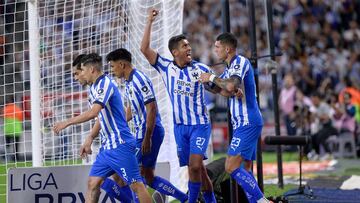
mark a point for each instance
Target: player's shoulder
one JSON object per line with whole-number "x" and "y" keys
{"x": 163, "y": 60}
{"x": 140, "y": 76}
{"x": 202, "y": 66}
{"x": 239, "y": 60}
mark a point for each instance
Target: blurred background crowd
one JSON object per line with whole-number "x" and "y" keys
{"x": 318, "y": 72}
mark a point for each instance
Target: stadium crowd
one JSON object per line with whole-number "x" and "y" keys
{"x": 319, "y": 41}
{"x": 319, "y": 70}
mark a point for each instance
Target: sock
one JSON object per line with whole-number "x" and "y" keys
{"x": 249, "y": 197}
{"x": 165, "y": 187}
{"x": 113, "y": 190}
{"x": 247, "y": 182}
{"x": 194, "y": 189}
{"x": 209, "y": 197}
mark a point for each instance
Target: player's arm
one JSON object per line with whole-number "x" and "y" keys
{"x": 228, "y": 87}
{"x": 151, "y": 110}
{"x": 85, "y": 148}
{"x": 128, "y": 114}
{"x": 149, "y": 53}
{"x": 88, "y": 115}
{"x": 216, "y": 90}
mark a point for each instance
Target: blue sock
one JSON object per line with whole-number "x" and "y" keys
{"x": 113, "y": 190}
{"x": 209, "y": 197}
{"x": 247, "y": 182}
{"x": 165, "y": 187}
{"x": 194, "y": 190}
{"x": 249, "y": 197}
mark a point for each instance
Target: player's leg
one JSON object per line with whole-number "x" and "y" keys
{"x": 93, "y": 189}
{"x": 148, "y": 163}
{"x": 244, "y": 142}
{"x": 199, "y": 140}
{"x": 117, "y": 189}
{"x": 98, "y": 172}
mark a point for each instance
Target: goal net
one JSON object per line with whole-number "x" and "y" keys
{"x": 67, "y": 29}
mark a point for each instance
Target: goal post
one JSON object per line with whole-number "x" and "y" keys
{"x": 54, "y": 32}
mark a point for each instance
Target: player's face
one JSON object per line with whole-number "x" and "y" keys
{"x": 183, "y": 52}
{"x": 220, "y": 51}
{"x": 86, "y": 73}
{"x": 117, "y": 68}
{"x": 76, "y": 73}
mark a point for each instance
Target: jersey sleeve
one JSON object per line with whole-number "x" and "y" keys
{"x": 241, "y": 67}
{"x": 161, "y": 63}
{"x": 104, "y": 92}
{"x": 224, "y": 75}
{"x": 144, "y": 87}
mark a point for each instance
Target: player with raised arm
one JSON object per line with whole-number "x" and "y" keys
{"x": 246, "y": 118}
{"x": 117, "y": 154}
{"x": 192, "y": 127}
{"x": 143, "y": 111}
{"x": 119, "y": 189}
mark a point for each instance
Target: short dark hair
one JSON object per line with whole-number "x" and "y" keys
{"x": 119, "y": 54}
{"x": 77, "y": 61}
{"x": 92, "y": 58}
{"x": 227, "y": 38}
{"x": 174, "y": 41}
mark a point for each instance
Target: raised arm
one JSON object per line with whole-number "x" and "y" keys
{"x": 149, "y": 53}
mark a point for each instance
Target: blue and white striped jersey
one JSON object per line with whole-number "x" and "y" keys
{"x": 139, "y": 90}
{"x": 185, "y": 91}
{"x": 245, "y": 110}
{"x": 114, "y": 128}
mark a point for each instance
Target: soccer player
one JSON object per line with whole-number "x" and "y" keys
{"x": 118, "y": 190}
{"x": 246, "y": 118}
{"x": 192, "y": 127}
{"x": 143, "y": 111}
{"x": 117, "y": 154}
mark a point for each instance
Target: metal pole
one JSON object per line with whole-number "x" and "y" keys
{"x": 270, "y": 35}
{"x": 225, "y": 16}
{"x": 34, "y": 82}
{"x": 253, "y": 60}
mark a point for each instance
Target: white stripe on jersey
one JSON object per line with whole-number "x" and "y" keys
{"x": 244, "y": 108}
{"x": 185, "y": 91}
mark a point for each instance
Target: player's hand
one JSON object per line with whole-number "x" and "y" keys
{"x": 85, "y": 148}
{"x": 238, "y": 93}
{"x": 60, "y": 126}
{"x": 152, "y": 15}
{"x": 146, "y": 146}
{"x": 204, "y": 77}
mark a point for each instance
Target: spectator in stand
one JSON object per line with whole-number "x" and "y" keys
{"x": 287, "y": 103}
{"x": 322, "y": 114}
{"x": 13, "y": 128}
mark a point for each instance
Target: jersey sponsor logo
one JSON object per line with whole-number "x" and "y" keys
{"x": 183, "y": 83}
{"x": 184, "y": 92}
{"x": 145, "y": 89}
{"x": 100, "y": 91}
